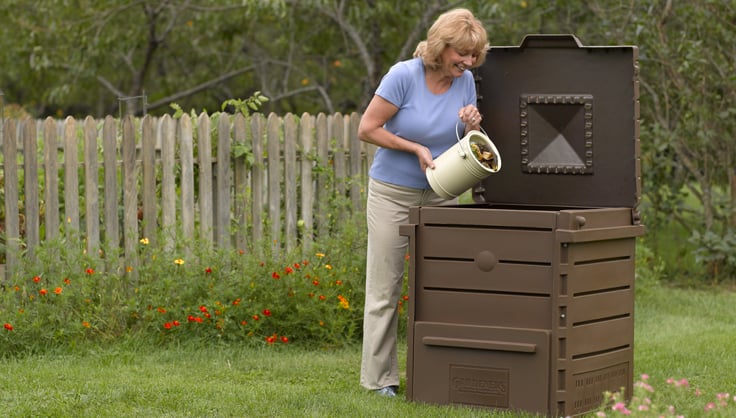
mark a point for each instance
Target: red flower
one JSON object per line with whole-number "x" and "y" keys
{"x": 90, "y": 271}
{"x": 256, "y": 317}
{"x": 289, "y": 270}
{"x": 67, "y": 281}
{"x": 161, "y": 310}
{"x": 267, "y": 312}
{"x": 322, "y": 297}
{"x": 297, "y": 266}
{"x": 284, "y": 339}
{"x": 8, "y": 326}
{"x": 176, "y": 323}
{"x": 236, "y": 302}
{"x": 167, "y": 325}
{"x": 190, "y": 318}
{"x": 58, "y": 290}
{"x": 197, "y": 319}
{"x": 315, "y": 282}
{"x": 271, "y": 339}
{"x": 243, "y": 322}
{"x": 36, "y": 279}
{"x": 208, "y": 270}
{"x": 406, "y": 297}
{"x": 338, "y": 282}
{"x": 203, "y": 308}
{"x": 43, "y": 292}
{"x": 275, "y": 276}
{"x": 207, "y": 315}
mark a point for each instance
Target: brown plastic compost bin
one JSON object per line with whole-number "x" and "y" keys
{"x": 525, "y": 299}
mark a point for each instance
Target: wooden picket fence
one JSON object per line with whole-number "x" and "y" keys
{"x": 233, "y": 180}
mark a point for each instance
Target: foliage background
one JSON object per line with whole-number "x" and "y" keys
{"x": 80, "y": 57}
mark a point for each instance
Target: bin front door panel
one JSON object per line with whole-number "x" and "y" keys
{"x": 496, "y": 367}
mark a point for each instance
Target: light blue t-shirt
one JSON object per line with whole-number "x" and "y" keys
{"x": 423, "y": 117}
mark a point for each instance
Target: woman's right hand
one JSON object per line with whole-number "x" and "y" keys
{"x": 424, "y": 156}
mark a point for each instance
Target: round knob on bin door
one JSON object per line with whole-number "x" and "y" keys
{"x": 485, "y": 260}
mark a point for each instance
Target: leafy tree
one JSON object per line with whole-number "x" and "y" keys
{"x": 79, "y": 57}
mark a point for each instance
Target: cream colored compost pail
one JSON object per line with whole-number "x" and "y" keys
{"x": 457, "y": 169}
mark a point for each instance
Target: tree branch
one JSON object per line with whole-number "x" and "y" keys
{"x": 185, "y": 93}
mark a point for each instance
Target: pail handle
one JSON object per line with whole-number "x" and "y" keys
{"x": 457, "y": 135}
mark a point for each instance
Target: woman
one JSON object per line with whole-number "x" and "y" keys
{"x": 412, "y": 118}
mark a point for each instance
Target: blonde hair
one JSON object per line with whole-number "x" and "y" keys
{"x": 459, "y": 29}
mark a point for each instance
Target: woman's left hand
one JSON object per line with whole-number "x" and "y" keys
{"x": 470, "y": 116}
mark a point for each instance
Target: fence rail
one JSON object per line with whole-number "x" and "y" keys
{"x": 233, "y": 180}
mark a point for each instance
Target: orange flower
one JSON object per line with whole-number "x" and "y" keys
{"x": 343, "y": 302}
{"x": 8, "y": 326}
{"x": 85, "y": 324}
{"x": 57, "y": 290}
{"x": 43, "y": 292}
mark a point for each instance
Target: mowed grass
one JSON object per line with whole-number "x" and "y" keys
{"x": 685, "y": 333}
{"x": 680, "y": 334}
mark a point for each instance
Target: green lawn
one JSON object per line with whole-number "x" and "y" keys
{"x": 679, "y": 334}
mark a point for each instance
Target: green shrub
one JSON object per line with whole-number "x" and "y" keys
{"x": 188, "y": 291}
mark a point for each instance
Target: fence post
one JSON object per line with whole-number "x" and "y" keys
{"x": 12, "y": 214}
{"x": 204, "y": 159}
{"x": 91, "y": 190}
{"x": 148, "y": 189}
{"x": 71, "y": 178}
{"x": 240, "y": 180}
{"x": 290, "y": 179}
{"x": 306, "y": 137}
{"x": 222, "y": 194}
{"x": 51, "y": 173}
{"x": 187, "y": 176}
{"x": 130, "y": 196}
{"x": 168, "y": 180}
{"x": 111, "y": 194}
{"x": 274, "y": 179}
{"x": 258, "y": 177}
{"x": 30, "y": 176}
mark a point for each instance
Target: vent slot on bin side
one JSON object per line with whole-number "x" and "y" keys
{"x": 556, "y": 133}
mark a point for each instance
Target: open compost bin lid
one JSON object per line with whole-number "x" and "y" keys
{"x": 565, "y": 119}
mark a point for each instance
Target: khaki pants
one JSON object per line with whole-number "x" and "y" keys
{"x": 387, "y": 208}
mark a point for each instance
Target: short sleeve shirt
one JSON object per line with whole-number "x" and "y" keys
{"x": 423, "y": 117}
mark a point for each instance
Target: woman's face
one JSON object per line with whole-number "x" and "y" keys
{"x": 455, "y": 62}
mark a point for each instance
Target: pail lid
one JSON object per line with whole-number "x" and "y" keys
{"x": 565, "y": 117}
